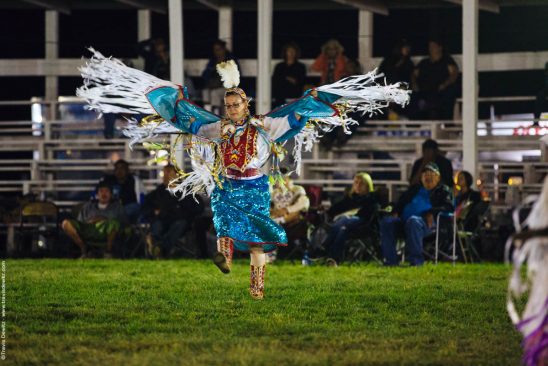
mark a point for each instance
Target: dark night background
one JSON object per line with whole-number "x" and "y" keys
{"x": 514, "y": 29}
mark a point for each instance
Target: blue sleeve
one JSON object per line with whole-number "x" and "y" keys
{"x": 296, "y": 123}
{"x": 296, "y": 126}
{"x": 179, "y": 112}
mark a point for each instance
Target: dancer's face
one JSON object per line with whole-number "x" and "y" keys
{"x": 236, "y": 107}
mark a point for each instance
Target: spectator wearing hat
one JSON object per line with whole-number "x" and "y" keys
{"x": 98, "y": 221}
{"x": 432, "y": 154}
{"x": 414, "y": 214}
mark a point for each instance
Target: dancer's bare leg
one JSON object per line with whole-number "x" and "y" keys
{"x": 258, "y": 268}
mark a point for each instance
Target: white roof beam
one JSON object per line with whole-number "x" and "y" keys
{"x": 212, "y": 4}
{"x": 374, "y": 6}
{"x": 487, "y": 5}
{"x": 61, "y": 6}
{"x": 156, "y": 6}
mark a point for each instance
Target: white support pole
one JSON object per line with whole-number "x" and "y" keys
{"x": 52, "y": 54}
{"x": 365, "y": 39}
{"x": 264, "y": 56}
{"x": 176, "y": 54}
{"x": 470, "y": 13}
{"x": 225, "y": 25}
{"x": 143, "y": 24}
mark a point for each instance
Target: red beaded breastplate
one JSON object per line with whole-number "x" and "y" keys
{"x": 239, "y": 151}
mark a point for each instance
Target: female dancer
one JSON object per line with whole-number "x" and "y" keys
{"x": 228, "y": 153}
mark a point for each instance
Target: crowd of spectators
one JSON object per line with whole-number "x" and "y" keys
{"x": 120, "y": 205}
{"x": 364, "y": 210}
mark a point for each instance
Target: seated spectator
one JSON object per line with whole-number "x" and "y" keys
{"x": 465, "y": 200}
{"x": 331, "y": 62}
{"x": 125, "y": 187}
{"x": 288, "y": 207}
{"x": 434, "y": 82}
{"x": 169, "y": 217}
{"x": 359, "y": 207}
{"x": 415, "y": 212}
{"x": 98, "y": 221}
{"x": 289, "y": 201}
{"x": 213, "y": 92}
{"x": 289, "y": 76}
{"x": 432, "y": 154}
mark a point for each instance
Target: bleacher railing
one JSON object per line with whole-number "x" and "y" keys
{"x": 401, "y": 138}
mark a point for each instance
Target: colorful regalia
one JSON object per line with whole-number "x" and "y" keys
{"x": 228, "y": 156}
{"x": 531, "y": 249}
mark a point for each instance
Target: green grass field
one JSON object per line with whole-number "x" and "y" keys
{"x": 184, "y": 312}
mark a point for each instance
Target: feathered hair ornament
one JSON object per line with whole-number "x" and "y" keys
{"x": 231, "y": 78}
{"x": 229, "y": 74}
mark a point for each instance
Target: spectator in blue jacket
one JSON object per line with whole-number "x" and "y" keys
{"x": 414, "y": 213}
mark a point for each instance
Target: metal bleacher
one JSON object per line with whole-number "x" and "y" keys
{"x": 69, "y": 156}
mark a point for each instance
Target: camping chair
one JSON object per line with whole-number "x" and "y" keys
{"x": 40, "y": 219}
{"x": 364, "y": 243}
{"x": 432, "y": 249}
{"x": 468, "y": 230}
{"x": 453, "y": 219}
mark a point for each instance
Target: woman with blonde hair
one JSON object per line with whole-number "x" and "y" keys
{"x": 331, "y": 62}
{"x": 358, "y": 208}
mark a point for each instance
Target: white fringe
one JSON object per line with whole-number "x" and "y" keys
{"x": 112, "y": 87}
{"x": 363, "y": 94}
{"x": 202, "y": 156}
{"x": 534, "y": 255}
{"x": 306, "y": 139}
{"x": 358, "y": 93}
{"x": 140, "y": 134}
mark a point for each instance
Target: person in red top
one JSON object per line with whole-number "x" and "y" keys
{"x": 331, "y": 62}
